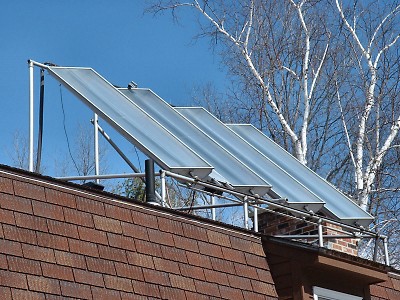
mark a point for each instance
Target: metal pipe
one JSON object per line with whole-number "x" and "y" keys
{"x": 385, "y": 246}
{"x": 30, "y": 62}
{"x": 208, "y": 206}
{"x": 320, "y": 234}
{"x": 270, "y": 203}
{"x": 163, "y": 188}
{"x": 255, "y": 219}
{"x": 213, "y": 212}
{"x": 103, "y": 176}
{"x": 375, "y": 257}
{"x": 96, "y": 147}
{"x": 35, "y": 63}
{"x": 116, "y": 148}
{"x": 327, "y": 236}
{"x": 150, "y": 181}
{"x": 41, "y": 116}
{"x": 246, "y": 213}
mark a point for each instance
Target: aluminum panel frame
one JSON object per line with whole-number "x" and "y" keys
{"x": 337, "y": 203}
{"x": 131, "y": 122}
{"x": 283, "y": 185}
{"x": 225, "y": 164}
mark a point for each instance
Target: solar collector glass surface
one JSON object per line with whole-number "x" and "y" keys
{"x": 283, "y": 184}
{"x": 225, "y": 164}
{"x": 131, "y": 121}
{"x": 336, "y": 202}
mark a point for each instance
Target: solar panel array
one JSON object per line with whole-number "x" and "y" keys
{"x": 192, "y": 142}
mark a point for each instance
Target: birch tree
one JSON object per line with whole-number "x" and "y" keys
{"x": 322, "y": 78}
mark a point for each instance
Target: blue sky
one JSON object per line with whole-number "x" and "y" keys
{"x": 113, "y": 37}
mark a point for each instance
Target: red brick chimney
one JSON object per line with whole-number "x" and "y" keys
{"x": 275, "y": 224}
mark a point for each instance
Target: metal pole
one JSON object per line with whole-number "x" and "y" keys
{"x": 96, "y": 147}
{"x": 150, "y": 182}
{"x": 385, "y": 245}
{"x": 30, "y": 115}
{"x": 375, "y": 258}
{"x": 116, "y": 148}
{"x": 163, "y": 186}
{"x": 320, "y": 235}
{"x": 213, "y": 209}
{"x": 255, "y": 219}
{"x": 246, "y": 213}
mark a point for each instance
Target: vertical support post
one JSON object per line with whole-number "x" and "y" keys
{"x": 96, "y": 147}
{"x": 385, "y": 245}
{"x": 255, "y": 219}
{"x": 213, "y": 209}
{"x": 163, "y": 190}
{"x": 320, "y": 235}
{"x": 150, "y": 182}
{"x": 376, "y": 248}
{"x": 30, "y": 115}
{"x": 246, "y": 213}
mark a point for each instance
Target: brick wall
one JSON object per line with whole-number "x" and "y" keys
{"x": 274, "y": 224}
{"x": 58, "y": 240}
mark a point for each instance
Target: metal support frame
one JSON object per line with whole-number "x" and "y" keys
{"x": 213, "y": 212}
{"x": 255, "y": 219}
{"x": 245, "y": 200}
{"x": 31, "y": 108}
{"x": 385, "y": 247}
{"x": 96, "y": 147}
{"x": 320, "y": 234}
{"x": 246, "y": 212}
{"x": 163, "y": 188}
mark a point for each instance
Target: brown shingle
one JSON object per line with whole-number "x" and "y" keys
{"x": 30, "y": 222}
{"x": 38, "y": 253}
{"x": 6, "y": 185}
{"x": 52, "y": 241}
{"x": 7, "y": 216}
{"x": 62, "y": 228}
{"x": 129, "y": 271}
{"x": 72, "y": 289}
{"x": 22, "y": 294}
{"x": 29, "y": 190}
{"x": 78, "y": 217}
{"x": 57, "y": 271}
{"x": 118, "y": 213}
{"x": 90, "y": 205}
{"x": 122, "y": 242}
{"x": 16, "y": 203}
{"x": 100, "y": 265}
{"x": 92, "y": 235}
{"x": 82, "y": 247}
{"x": 182, "y": 282}
{"x": 23, "y": 265}
{"x": 70, "y": 259}
{"x": 144, "y": 219}
{"x": 13, "y": 279}
{"x": 112, "y": 253}
{"x": 45, "y": 285}
{"x": 87, "y": 277}
{"x": 60, "y": 198}
{"x": 19, "y": 234}
{"x": 47, "y": 210}
{"x": 195, "y": 232}
{"x": 117, "y": 283}
{"x": 106, "y": 224}
{"x": 156, "y": 277}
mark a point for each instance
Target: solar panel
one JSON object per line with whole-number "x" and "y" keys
{"x": 337, "y": 203}
{"x": 283, "y": 185}
{"x": 227, "y": 167}
{"x": 131, "y": 121}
